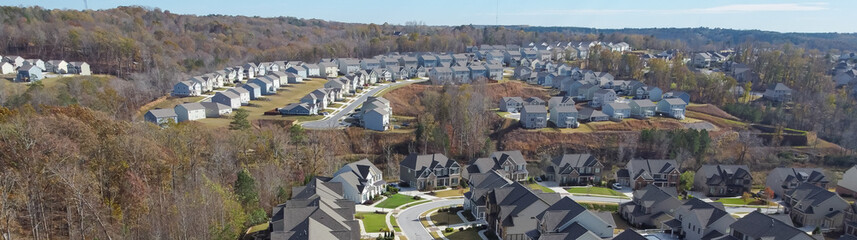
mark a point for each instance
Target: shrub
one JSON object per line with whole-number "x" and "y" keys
{"x": 449, "y": 229}
{"x": 417, "y": 198}
{"x": 461, "y": 229}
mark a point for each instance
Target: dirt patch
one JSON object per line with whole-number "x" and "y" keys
{"x": 717, "y": 121}
{"x": 406, "y": 101}
{"x": 636, "y": 125}
{"x": 533, "y": 142}
{"x": 712, "y": 110}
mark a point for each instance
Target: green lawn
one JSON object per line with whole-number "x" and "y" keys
{"x": 470, "y": 233}
{"x": 596, "y": 191}
{"x": 395, "y": 223}
{"x": 373, "y": 222}
{"x": 445, "y": 218}
{"x": 451, "y": 192}
{"x": 415, "y": 203}
{"x": 738, "y": 201}
{"x": 257, "y": 228}
{"x": 539, "y": 187}
{"x": 395, "y": 201}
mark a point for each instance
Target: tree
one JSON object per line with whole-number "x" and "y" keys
{"x": 686, "y": 180}
{"x": 747, "y": 197}
{"x": 245, "y": 188}
{"x": 239, "y": 120}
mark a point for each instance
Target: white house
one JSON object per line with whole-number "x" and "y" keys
{"x": 242, "y": 93}
{"x": 617, "y": 110}
{"x": 190, "y": 112}
{"x": 213, "y": 109}
{"x": 186, "y": 88}
{"x": 602, "y": 97}
{"x": 672, "y": 107}
{"x": 161, "y": 116}
{"x": 79, "y": 68}
{"x": 313, "y": 70}
{"x": 300, "y": 71}
{"x": 361, "y": 181}
{"x": 254, "y": 89}
{"x": 227, "y": 98}
{"x": 56, "y": 66}
{"x": 6, "y": 68}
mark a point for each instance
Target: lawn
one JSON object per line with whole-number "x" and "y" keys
{"x": 395, "y": 223}
{"x": 257, "y": 228}
{"x": 395, "y": 201}
{"x": 373, "y": 222}
{"x": 445, "y": 218}
{"x": 415, "y": 203}
{"x": 540, "y": 187}
{"x": 470, "y": 233}
{"x": 451, "y": 192}
{"x": 596, "y": 191}
{"x": 290, "y": 93}
{"x": 739, "y": 201}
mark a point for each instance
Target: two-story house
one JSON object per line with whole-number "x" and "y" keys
{"x": 672, "y": 107}
{"x": 426, "y": 172}
{"x": 847, "y": 186}
{"x": 361, "y": 181}
{"x": 781, "y": 179}
{"x": 757, "y": 225}
{"x": 511, "y": 104}
{"x": 534, "y": 116}
{"x": 639, "y": 173}
{"x": 480, "y": 184}
{"x": 650, "y": 206}
{"x": 512, "y": 211}
{"x": 567, "y": 219}
{"x": 778, "y": 92}
{"x": 851, "y": 220}
{"x": 574, "y": 169}
{"x": 697, "y": 219}
{"x": 511, "y": 164}
{"x": 811, "y": 205}
{"x": 723, "y": 180}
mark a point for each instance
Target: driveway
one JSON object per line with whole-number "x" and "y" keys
{"x": 409, "y": 219}
{"x": 334, "y": 121}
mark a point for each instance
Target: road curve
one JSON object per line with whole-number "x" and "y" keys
{"x": 409, "y": 219}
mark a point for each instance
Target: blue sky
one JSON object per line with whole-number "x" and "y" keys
{"x": 783, "y": 16}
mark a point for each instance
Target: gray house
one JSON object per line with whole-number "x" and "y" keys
{"x": 602, "y": 97}
{"x": 254, "y": 89}
{"x": 560, "y": 101}
{"x": 161, "y": 116}
{"x": 642, "y": 108}
{"x": 361, "y": 181}
{"x": 758, "y": 225}
{"x": 781, "y": 179}
{"x": 265, "y": 85}
{"x": 564, "y": 116}
{"x": 56, "y": 66}
{"x": 214, "y": 110}
{"x": 227, "y": 98}
{"x": 510, "y": 164}
{"x": 650, "y": 206}
{"x": 697, "y": 219}
{"x": 190, "y": 111}
{"x": 723, "y": 180}
{"x": 242, "y": 93}
{"x": 617, "y": 110}
{"x": 778, "y": 92}
{"x": 534, "y": 101}
{"x": 511, "y": 104}
{"x": 534, "y": 116}
{"x": 592, "y": 115}
{"x": 29, "y": 73}
{"x": 480, "y": 184}
{"x": 574, "y": 169}
{"x": 672, "y": 107}
{"x": 316, "y": 211}
{"x": 298, "y": 109}
{"x": 429, "y": 171}
{"x": 512, "y": 210}
{"x": 639, "y": 173}
{"x": 811, "y": 205}
{"x": 567, "y": 219}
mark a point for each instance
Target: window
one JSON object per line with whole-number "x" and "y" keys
{"x": 597, "y": 170}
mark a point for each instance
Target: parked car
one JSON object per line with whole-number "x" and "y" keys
{"x": 538, "y": 179}
{"x": 617, "y": 186}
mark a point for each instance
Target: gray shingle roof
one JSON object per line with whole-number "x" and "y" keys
{"x": 164, "y": 112}
{"x": 192, "y": 106}
{"x": 675, "y": 101}
{"x": 757, "y": 225}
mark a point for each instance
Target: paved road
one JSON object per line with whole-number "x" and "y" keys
{"x": 334, "y": 120}
{"x": 409, "y": 219}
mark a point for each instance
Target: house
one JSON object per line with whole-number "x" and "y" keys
{"x": 190, "y": 112}
{"x": 723, "y": 180}
{"x": 534, "y": 101}
{"x": 361, "y": 181}
{"x": 29, "y": 73}
{"x": 348, "y": 65}
{"x": 444, "y": 60}
{"x": 637, "y": 90}
{"x": 781, "y": 179}
{"x": 316, "y": 211}
{"x": 320, "y": 98}
{"x": 533, "y": 116}
{"x": 495, "y": 72}
{"x": 186, "y": 89}
{"x": 847, "y": 186}
{"x": 545, "y": 79}
{"x": 509, "y": 164}
{"x": 250, "y": 70}
{"x": 478, "y": 71}
{"x": 655, "y": 94}
{"x": 697, "y": 219}
{"x": 642, "y": 108}
{"x": 511, "y": 104}
{"x": 480, "y": 184}
{"x": 617, "y": 110}
{"x": 602, "y": 97}
{"x": 254, "y": 89}
{"x": 672, "y": 107}
{"x": 227, "y": 98}
{"x": 16, "y": 61}
{"x": 560, "y": 101}
{"x": 522, "y": 73}
{"x": 294, "y": 78}
{"x": 298, "y": 70}
{"x": 757, "y": 225}
{"x": 461, "y": 74}
{"x": 213, "y": 109}
{"x": 204, "y": 85}
{"x": 680, "y": 95}
{"x": 377, "y": 119}
{"x": 56, "y": 66}
{"x": 268, "y": 67}
{"x": 440, "y": 75}
{"x": 574, "y": 169}
{"x": 279, "y": 79}
{"x": 266, "y": 86}
{"x": 567, "y": 219}
{"x": 702, "y": 60}
{"x": 242, "y": 93}
{"x": 512, "y": 210}
{"x": 650, "y": 206}
{"x": 639, "y": 173}
{"x": 778, "y": 92}
{"x": 851, "y": 221}
{"x": 339, "y": 83}
{"x": 6, "y": 68}
{"x": 629, "y": 234}
{"x": 161, "y": 116}
{"x": 430, "y": 171}
{"x": 298, "y": 109}
{"x": 592, "y": 115}
{"x": 564, "y": 116}
{"x": 369, "y": 64}
{"x": 809, "y": 205}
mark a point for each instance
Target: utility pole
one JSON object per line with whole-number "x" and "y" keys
{"x": 85, "y": 5}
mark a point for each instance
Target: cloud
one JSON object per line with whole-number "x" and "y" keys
{"x": 733, "y": 8}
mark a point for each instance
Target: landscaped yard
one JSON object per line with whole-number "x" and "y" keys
{"x": 415, "y": 203}
{"x": 395, "y": 201}
{"x": 395, "y": 223}
{"x": 451, "y": 192}
{"x": 257, "y": 228}
{"x": 470, "y": 233}
{"x": 373, "y": 222}
{"x": 596, "y": 191}
{"x": 290, "y": 93}
{"x": 445, "y": 218}
{"x": 540, "y": 187}
{"x": 739, "y": 201}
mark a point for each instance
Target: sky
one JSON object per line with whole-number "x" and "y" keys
{"x": 781, "y": 16}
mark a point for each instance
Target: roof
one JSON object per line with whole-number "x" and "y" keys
{"x": 559, "y": 100}
{"x": 28, "y": 68}
{"x": 292, "y": 106}
{"x": 812, "y": 175}
{"x": 361, "y": 171}
{"x": 645, "y": 168}
{"x": 675, "y": 101}
{"x": 238, "y": 91}
{"x": 567, "y": 162}
{"x": 534, "y": 109}
{"x": 516, "y": 99}
{"x": 643, "y": 103}
{"x": 757, "y": 225}
{"x": 605, "y": 91}
{"x": 214, "y": 105}
{"x": 590, "y": 113}
{"x": 316, "y": 210}
{"x": 809, "y": 196}
{"x": 619, "y": 105}
{"x": 650, "y": 195}
{"x": 629, "y": 234}
{"x": 779, "y": 87}
{"x": 163, "y": 112}
{"x": 564, "y": 109}
{"x": 192, "y": 106}
{"x": 706, "y": 213}
{"x": 717, "y": 174}
{"x": 77, "y": 64}
{"x": 419, "y": 162}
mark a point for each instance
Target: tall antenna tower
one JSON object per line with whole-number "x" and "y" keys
{"x": 85, "y": 5}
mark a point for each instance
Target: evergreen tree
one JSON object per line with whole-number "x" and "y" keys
{"x": 239, "y": 120}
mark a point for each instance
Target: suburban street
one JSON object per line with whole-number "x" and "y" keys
{"x": 409, "y": 219}
{"x": 333, "y": 120}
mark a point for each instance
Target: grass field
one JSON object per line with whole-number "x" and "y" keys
{"x": 291, "y": 93}
{"x": 395, "y": 201}
{"x": 257, "y": 228}
{"x": 540, "y": 187}
{"x": 470, "y": 233}
{"x": 738, "y": 201}
{"x": 395, "y": 223}
{"x": 373, "y": 222}
{"x": 451, "y": 192}
{"x": 445, "y": 218}
{"x": 415, "y": 203}
{"x": 596, "y": 191}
